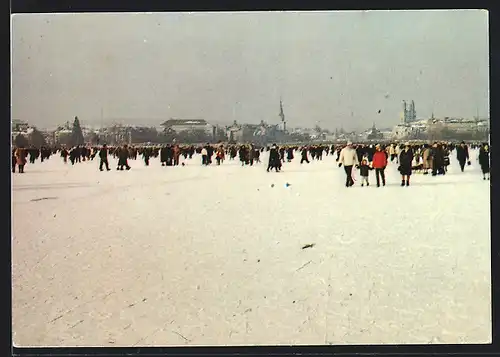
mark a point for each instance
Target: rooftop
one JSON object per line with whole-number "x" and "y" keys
{"x": 172, "y": 122}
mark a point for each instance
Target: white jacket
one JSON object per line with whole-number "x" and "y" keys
{"x": 204, "y": 152}
{"x": 348, "y": 157}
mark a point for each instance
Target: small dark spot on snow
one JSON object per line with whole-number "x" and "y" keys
{"x": 258, "y": 260}
{"x": 350, "y": 294}
{"x": 293, "y": 302}
{"x": 54, "y": 216}
{"x": 43, "y": 198}
{"x": 144, "y": 299}
{"x": 308, "y": 246}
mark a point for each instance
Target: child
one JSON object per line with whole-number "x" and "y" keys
{"x": 364, "y": 171}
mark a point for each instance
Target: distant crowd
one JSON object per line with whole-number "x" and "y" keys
{"x": 423, "y": 158}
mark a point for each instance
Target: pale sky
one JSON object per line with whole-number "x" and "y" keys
{"x": 331, "y": 68}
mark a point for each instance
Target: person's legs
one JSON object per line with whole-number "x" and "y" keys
{"x": 348, "y": 172}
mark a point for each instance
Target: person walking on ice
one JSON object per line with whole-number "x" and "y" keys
{"x": 484, "y": 160}
{"x": 103, "y": 156}
{"x": 364, "y": 172}
{"x": 462, "y": 155}
{"x": 379, "y": 164}
{"x": 348, "y": 157}
{"x": 405, "y": 165}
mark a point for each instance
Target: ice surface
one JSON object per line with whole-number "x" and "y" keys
{"x": 213, "y": 256}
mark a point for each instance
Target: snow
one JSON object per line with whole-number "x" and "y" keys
{"x": 213, "y": 256}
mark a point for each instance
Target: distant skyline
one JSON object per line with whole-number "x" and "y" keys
{"x": 332, "y": 69}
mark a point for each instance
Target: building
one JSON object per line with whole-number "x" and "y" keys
{"x": 409, "y": 112}
{"x": 440, "y": 128}
{"x": 62, "y": 136}
{"x": 180, "y": 125}
{"x": 19, "y": 125}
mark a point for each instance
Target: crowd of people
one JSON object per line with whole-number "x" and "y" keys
{"x": 424, "y": 158}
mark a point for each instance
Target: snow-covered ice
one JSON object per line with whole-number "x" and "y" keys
{"x": 213, "y": 256}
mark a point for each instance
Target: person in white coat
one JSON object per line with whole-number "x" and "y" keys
{"x": 349, "y": 158}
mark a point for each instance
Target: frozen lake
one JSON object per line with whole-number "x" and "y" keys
{"x": 213, "y": 256}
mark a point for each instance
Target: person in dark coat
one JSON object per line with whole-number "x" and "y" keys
{"x": 462, "y": 155}
{"x": 405, "y": 165}
{"x": 274, "y": 159}
{"x": 304, "y": 155}
{"x": 64, "y": 155}
{"x": 146, "y": 154}
{"x": 437, "y": 159}
{"x": 123, "y": 158}
{"x": 364, "y": 172}
{"x": 163, "y": 155}
{"x": 103, "y": 156}
{"x": 484, "y": 160}
{"x": 14, "y": 160}
{"x": 289, "y": 153}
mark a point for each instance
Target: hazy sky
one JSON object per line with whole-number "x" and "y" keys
{"x": 331, "y": 68}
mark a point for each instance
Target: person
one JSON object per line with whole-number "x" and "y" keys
{"x": 426, "y": 159}
{"x": 483, "y": 158}
{"x": 204, "y": 156}
{"x": 392, "y": 153}
{"x": 220, "y": 155}
{"x": 437, "y": 160}
{"x": 405, "y": 164}
{"x": 146, "y": 155}
{"x": 364, "y": 172}
{"x": 348, "y": 157}
{"x": 304, "y": 155}
{"x": 21, "y": 158}
{"x": 462, "y": 155}
{"x": 14, "y": 160}
{"x": 123, "y": 158}
{"x": 274, "y": 159}
{"x": 379, "y": 164}
{"x": 103, "y": 156}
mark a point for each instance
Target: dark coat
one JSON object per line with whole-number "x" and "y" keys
{"x": 484, "y": 160}
{"x": 462, "y": 153}
{"x": 364, "y": 170}
{"x": 405, "y": 162}
{"x": 103, "y": 154}
{"x": 274, "y": 158}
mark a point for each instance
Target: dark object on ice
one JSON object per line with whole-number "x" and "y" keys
{"x": 183, "y": 164}
{"x": 258, "y": 260}
{"x": 272, "y": 185}
{"x": 43, "y": 198}
{"x": 54, "y": 216}
{"x": 287, "y": 184}
{"x": 308, "y": 246}
{"x": 379, "y": 111}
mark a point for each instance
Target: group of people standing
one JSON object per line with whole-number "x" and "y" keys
{"x": 423, "y": 158}
{"x": 410, "y": 158}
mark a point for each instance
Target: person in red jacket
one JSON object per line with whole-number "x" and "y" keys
{"x": 379, "y": 163}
